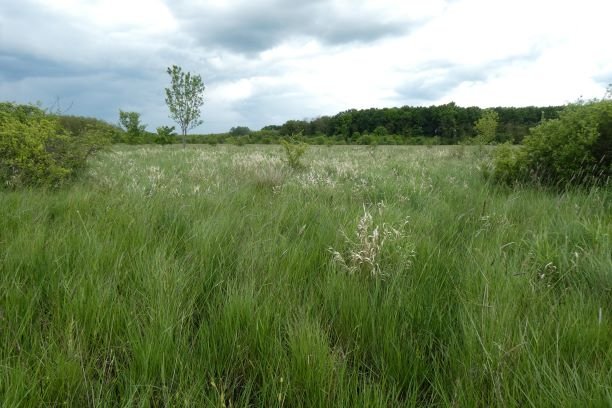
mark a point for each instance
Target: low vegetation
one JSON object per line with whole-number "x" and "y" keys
{"x": 36, "y": 150}
{"x": 293, "y": 153}
{"x": 387, "y": 276}
{"x": 574, "y": 149}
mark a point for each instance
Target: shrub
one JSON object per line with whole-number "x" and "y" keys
{"x": 239, "y": 140}
{"x": 36, "y": 151}
{"x": 79, "y": 125}
{"x": 293, "y": 153}
{"x": 486, "y": 127}
{"x": 240, "y": 131}
{"x": 165, "y": 135}
{"x": 509, "y": 164}
{"x": 573, "y": 149}
{"x": 381, "y": 131}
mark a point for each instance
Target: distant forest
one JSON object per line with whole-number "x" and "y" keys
{"x": 449, "y": 123}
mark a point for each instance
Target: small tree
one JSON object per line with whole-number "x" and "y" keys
{"x": 130, "y": 122}
{"x": 184, "y": 99}
{"x": 294, "y": 151}
{"x": 486, "y": 127}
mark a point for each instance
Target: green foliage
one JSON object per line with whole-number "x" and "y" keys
{"x": 449, "y": 122}
{"x": 486, "y": 127}
{"x": 294, "y": 152}
{"x": 293, "y": 127}
{"x": 509, "y": 165}
{"x": 36, "y": 151}
{"x": 365, "y": 139}
{"x": 91, "y": 140}
{"x": 184, "y": 99}
{"x": 165, "y": 135}
{"x": 573, "y": 149}
{"x": 381, "y": 131}
{"x": 135, "y": 131}
{"x": 79, "y": 125}
{"x": 239, "y": 131}
{"x": 239, "y": 140}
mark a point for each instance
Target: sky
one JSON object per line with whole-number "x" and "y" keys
{"x": 268, "y": 61}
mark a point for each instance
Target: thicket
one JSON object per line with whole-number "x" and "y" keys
{"x": 575, "y": 149}
{"x": 37, "y": 150}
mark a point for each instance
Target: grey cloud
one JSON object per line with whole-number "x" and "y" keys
{"x": 46, "y": 56}
{"x": 437, "y": 78}
{"x": 41, "y": 41}
{"x": 430, "y": 88}
{"x": 254, "y": 27}
{"x": 604, "y": 79}
{"x": 274, "y": 108}
{"x": 18, "y": 66}
{"x": 94, "y": 94}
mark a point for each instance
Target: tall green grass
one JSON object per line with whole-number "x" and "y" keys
{"x": 206, "y": 277}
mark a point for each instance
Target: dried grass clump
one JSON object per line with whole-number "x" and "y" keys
{"x": 365, "y": 250}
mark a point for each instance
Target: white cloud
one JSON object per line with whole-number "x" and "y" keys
{"x": 146, "y": 17}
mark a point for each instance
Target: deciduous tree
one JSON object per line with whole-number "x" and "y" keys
{"x": 184, "y": 99}
{"x": 130, "y": 122}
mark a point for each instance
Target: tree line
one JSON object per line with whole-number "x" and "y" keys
{"x": 444, "y": 124}
{"x": 417, "y": 125}
{"x": 448, "y": 123}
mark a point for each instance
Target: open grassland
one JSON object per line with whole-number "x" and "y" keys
{"x": 388, "y": 276}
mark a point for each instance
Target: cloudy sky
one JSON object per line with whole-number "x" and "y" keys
{"x": 267, "y": 61}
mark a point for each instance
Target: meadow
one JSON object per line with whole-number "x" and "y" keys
{"x": 371, "y": 277}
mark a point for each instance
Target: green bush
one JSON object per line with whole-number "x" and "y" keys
{"x": 36, "y": 151}
{"x": 293, "y": 153}
{"x": 571, "y": 150}
{"x": 165, "y": 135}
{"x": 79, "y": 125}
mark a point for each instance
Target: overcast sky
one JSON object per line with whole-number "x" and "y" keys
{"x": 267, "y": 61}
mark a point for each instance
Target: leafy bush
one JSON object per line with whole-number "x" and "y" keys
{"x": 293, "y": 153}
{"x": 36, "y": 151}
{"x": 240, "y": 131}
{"x": 573, "y": 149}
{"x": 486, "y": 127}
{"x": 381, "y": 131}
{"x": 165, "y": 135}
{"x": 79, "y": 125}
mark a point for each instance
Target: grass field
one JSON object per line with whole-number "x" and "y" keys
{"x": 387, "y": 276}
